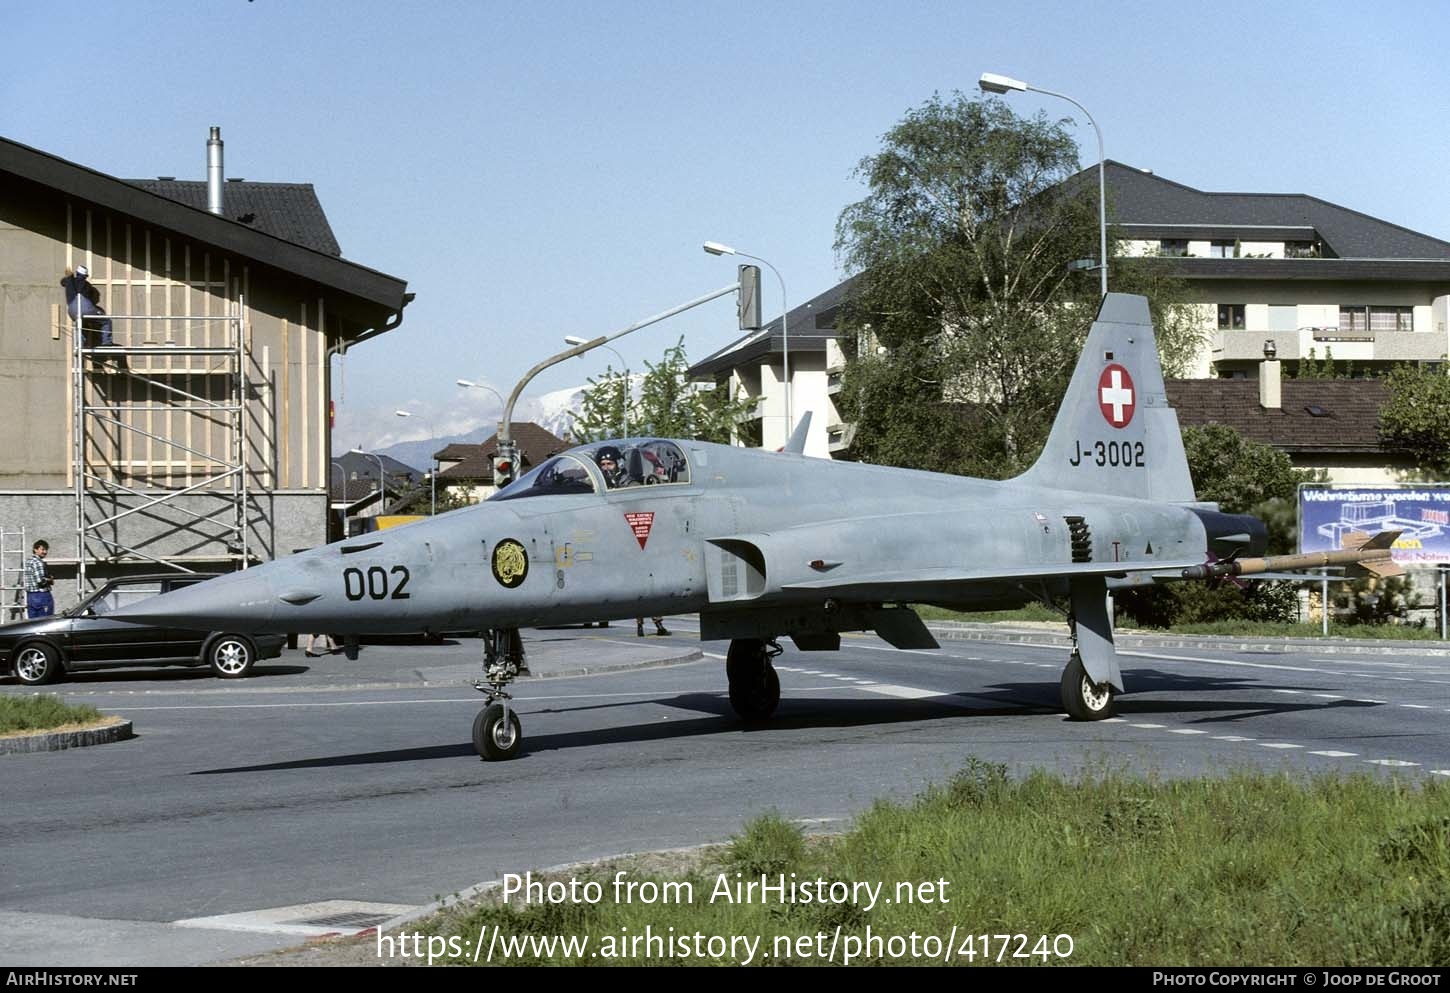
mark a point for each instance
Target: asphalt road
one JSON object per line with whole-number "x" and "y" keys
{"x": 349, "y": 792}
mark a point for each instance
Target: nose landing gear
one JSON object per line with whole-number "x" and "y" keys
{"x": 497, "y": 733}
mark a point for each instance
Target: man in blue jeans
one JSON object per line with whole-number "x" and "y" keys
{"x": 84, "y": 301}
{"x": 38, "y": 599}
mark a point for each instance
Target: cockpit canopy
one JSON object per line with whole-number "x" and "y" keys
{"x": 609, "y": 465}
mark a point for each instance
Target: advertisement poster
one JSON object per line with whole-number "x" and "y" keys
{"x": 1420, "y": 513}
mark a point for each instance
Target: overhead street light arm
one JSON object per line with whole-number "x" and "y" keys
{"x": 506, "y": 419}
{"x": 992, "y": 82}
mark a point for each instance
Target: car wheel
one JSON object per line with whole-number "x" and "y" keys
{"x": 36, "y": 665}
{"x": 231, "y": 656}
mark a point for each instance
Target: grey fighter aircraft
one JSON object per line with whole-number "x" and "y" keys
{"x": 765, "y": 544}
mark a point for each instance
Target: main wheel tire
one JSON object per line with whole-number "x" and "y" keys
{"x": 231, "y": 656}
{"x": 754, "y": 683}
{"x": 1083, "y": 699}
{"x": 36, "y": 665}
{"x": 494, "y": 738}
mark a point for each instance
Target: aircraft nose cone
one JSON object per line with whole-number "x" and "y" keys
{"x": 242, "y": 601}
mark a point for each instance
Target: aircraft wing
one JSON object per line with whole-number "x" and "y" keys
{"x": 900, "y": 584}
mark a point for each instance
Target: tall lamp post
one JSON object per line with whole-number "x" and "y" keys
{"x": 715, "y": 248}
{"x": 433, "y": 469}
{"x": 382, "y": 479}
{"x": 574, "y": 339}
{"x": 991, "y": 82}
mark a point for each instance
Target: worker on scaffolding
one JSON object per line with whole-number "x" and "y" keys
{"x": 83, "y": 302}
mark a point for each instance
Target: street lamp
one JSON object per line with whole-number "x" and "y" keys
{"x": 574, "y": 339}
{"x": 991, "y": 82}
{"x": 471, "y": 385}
{"x": 382, "y": 480}
{"x": 715, "y": 248}
{"x": 433, "y": 471}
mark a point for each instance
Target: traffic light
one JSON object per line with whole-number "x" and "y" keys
{"x": 503, "y": 470}
{"x": 748, "y": 298}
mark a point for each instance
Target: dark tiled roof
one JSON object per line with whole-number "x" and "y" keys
{"x": 290, "y": 211}
{"x": 1136, "y": 197}
{"x": 535, "y": 445}
{"x": 810, "y": 326}
{"x": 457, "y": 451}
{"x": 372, "y": 301}
{"x": 1349, "y": 422}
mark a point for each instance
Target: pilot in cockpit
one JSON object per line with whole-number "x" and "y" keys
{"x": 610, "y": 465}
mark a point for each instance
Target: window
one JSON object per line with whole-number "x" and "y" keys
{"x": 1368, "y": 320}
{"x": 1173, "y": 247}
{"x": 1283, "y": 317}
{"x": 1231, "y": 317}
{"x": 1301, "y": 250}
{"x": 561, "y": 474}
{"x": 1221, "y": 249}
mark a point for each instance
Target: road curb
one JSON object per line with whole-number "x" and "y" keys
{"x": 55, "y": 741}
{"x": 984, "y": 632}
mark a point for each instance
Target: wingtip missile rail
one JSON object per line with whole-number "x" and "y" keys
{"x": 1366, "y": 555}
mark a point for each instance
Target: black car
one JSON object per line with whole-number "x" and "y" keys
{"x": 44, "y": 649}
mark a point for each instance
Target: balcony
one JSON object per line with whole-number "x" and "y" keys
{"x": 1347, "y": 346}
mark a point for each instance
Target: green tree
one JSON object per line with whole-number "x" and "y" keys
{"x": 964, "y": 321}
{"x": 669, "y": 405}
{"x": 1245, "y": 477}
{"x": 1416, "y": 417}
{"x": 1242, "y": 477}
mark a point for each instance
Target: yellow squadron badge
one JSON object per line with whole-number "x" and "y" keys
{"x": 510, "y": 563}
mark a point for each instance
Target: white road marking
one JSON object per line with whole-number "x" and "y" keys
{"x": 1392, "y": 763}
{"x": 1185, "y": 731}
{"x": 1336, "y": 755}
{"x": 1231, "y": 737}
{"x": 288, "y": 920}
{"x": 1277, "y": 744}
{"x": 1151, "y": 726}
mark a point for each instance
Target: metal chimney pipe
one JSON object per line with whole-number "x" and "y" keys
{"x": 215, "y": 179}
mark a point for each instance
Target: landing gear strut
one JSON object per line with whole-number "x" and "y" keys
{"x": 754, "y": 684}
{"x": 497, "y": 733}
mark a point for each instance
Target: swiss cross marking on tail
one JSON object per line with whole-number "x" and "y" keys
{"x": 1116, "y": 397}
{"x": 640, "y": 523}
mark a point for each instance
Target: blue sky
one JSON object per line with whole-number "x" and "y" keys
{"x": 543, "y": 169}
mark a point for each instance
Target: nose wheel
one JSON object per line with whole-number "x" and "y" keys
{"x": 497, "y": 733}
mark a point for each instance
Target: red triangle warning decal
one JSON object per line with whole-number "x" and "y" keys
{"x": 640, "y": 522}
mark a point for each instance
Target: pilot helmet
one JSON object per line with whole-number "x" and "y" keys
{"x": 607, "y": 452}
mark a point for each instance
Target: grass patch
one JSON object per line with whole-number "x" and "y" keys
{"x": 1251, "y": 869}
{"x": 42, "y": 713}
{"x": 1245, "y": 629}
{"x": 1260, "y": 629}
{"x": 1031, "y": 612}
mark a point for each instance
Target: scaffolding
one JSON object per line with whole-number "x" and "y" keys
{"x": 159, "y": 441}
{"x": 12, "y": 573}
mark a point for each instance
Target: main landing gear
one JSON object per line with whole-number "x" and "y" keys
{"x": 754, "y": 684}
{"x": 1083, "y": 699}
{"x": 497, "y": 733}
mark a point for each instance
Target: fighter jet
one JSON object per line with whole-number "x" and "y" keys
{"x": 764, "y": 545}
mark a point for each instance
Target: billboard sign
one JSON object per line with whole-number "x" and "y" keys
{"x": 1420, "y": 513}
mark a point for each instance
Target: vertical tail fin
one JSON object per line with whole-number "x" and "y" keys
{"x": 1115, "y": 433}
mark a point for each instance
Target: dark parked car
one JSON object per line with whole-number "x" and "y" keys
{"x": 43, "y": 650}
